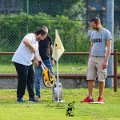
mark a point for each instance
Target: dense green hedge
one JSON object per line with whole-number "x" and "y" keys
{"x": 14, "y": 27}
{"x": 73, "y": 35}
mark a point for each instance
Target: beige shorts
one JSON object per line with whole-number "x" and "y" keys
{"x": 95, "y": 69}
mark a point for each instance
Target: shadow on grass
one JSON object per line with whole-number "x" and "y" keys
{"x": 56, "y": 105}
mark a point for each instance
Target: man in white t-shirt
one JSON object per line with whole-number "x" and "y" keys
{"x": 26, "y": 52}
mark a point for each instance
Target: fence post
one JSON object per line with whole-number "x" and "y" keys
{"x": 27, "y": 7}
{"x": 110, "y": 26}
{"x": 115, "y": 71}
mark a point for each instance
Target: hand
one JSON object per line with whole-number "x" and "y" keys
{"x": 44, "y": 66}
{"x": 36, "y": 63}
{"x": 104, "y": 65}
{"x": 52, "y": 62}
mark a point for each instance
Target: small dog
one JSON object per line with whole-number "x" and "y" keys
{"x": 70, "y": 109}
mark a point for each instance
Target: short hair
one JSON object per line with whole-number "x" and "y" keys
{"x": 96, "y": 20}
{"x": 43, "y": 30}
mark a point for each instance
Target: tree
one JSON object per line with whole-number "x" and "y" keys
{"x": 71, "y": 8}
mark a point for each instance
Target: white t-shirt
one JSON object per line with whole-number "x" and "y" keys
{"x": 23, "y": 54}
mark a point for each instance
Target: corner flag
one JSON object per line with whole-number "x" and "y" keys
{"x": 58, "y": 47}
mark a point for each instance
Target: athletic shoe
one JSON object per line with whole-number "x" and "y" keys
{"x": 20, "y": 100}
{"x": 87, "y": 99}
{"x": 33, "y": 100}
{"x": 100, "y": 99}
{"x": 37, "y": 97}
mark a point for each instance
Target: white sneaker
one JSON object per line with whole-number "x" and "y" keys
{"x": 37, "y": 97}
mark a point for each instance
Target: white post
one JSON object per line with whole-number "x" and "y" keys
{"x": 57, "y": 72}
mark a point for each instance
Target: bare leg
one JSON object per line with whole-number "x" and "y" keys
{"x": 90, "y": 88}
{"x": 101, "y": 88}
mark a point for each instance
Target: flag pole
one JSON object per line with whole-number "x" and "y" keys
{"x": 57, "y": 72}
{"x": 57, "y": 52}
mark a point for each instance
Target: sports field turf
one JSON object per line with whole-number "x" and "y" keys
{"x": 63, "y": 68}
{"x": 48, "y": 110}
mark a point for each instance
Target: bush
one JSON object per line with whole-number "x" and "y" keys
{"x": 13, "y": 27}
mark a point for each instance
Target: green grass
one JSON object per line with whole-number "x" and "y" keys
{"x": 63, "y": 68}
{"x": 7, "y": 68}
{"x": 48, "y": 110}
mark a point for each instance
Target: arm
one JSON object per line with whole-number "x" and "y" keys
{"x": 108, "y": 51}
{"x": 51, "y": 51}
{"x": 38, "y": 60}
{"x": 90, "y": 51}
{"x": 27, "y": 43}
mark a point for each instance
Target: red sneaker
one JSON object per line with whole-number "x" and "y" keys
{"x": 100, "y": 99}
{"x": 87, "y": 99}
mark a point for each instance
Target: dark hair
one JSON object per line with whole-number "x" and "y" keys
{"x": 42, "y": 31}
{"x": 96, "y": 20}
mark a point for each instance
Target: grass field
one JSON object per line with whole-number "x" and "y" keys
{"x": 48, "y": 110}
{"x": 63, "y": 68}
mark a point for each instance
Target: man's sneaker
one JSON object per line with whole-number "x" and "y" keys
{"x": 37, "y": 97}
{"x": 20, "y": 100}
{"x": 87, "y": 99}
{"x": 33, "y": 100}
{"x": 100, "y": 99}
